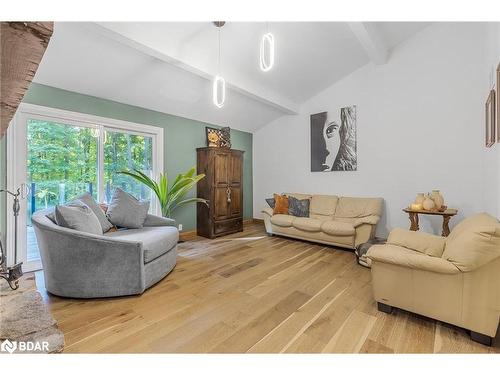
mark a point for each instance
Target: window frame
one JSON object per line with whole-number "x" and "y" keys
{"x": 17, "y": 155}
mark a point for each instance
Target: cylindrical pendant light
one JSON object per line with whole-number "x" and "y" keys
{"x": 219, "y": 83}
{"x": 219, "y": 91}
{"x": 267, "y": 51}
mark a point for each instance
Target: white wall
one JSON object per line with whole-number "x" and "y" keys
{"x": 420, "y": 126}
{"x": 491, "y": 156}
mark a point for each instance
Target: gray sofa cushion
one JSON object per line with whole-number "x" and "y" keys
{"x": 101, "y": 216}
{"x": 156, "y": 241}
{"x": 78, "y": 216}
{"x": 126, "y": 211}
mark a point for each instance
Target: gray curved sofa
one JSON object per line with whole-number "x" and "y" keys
{"x": 124, "y": 262}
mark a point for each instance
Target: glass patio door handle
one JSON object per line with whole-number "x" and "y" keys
{"x": 25, "y": 190}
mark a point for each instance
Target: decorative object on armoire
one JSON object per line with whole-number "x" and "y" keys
{"x": 25, "y": 317}
{"x": 438, "y": 199}
{"x": 213, "y": 137}
{"x": 13, "y": 273}
{"x": 428, "y": 203}
{"x": 490, "y": 115}
{"x": 225, "y": 137}
{"x": 218, "y": 137}
{"x": 281, "y": 205}
{"x": 447, "y": 214}
{"x": 174, "y": 196}
{"x": 222, "y": 188}
{"x": 23, "y": 46}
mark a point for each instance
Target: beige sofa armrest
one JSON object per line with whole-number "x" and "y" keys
{"x": 268, "y": 211}
{"x": 371, "y": 219}
{"x": 403, "y": 257}
{"x": 422, "y": 242}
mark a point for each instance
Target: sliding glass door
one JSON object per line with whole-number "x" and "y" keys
{"x": 62, "y": 163}
{"x": 57, "y": 159}
{"x": 125, "y": 151}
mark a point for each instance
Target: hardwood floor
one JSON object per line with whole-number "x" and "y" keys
{"x": 251, "y": 293}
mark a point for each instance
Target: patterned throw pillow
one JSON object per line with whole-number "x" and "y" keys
{"x": 271, "y": 202}
{"x": 298, "y": 207}
{"x": 281, "y": 204}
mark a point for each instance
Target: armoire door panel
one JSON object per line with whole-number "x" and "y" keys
{"x": 235, "y": 206}
{"x": 221, "y": 168}
{"x": 236, "y": 169}
{"x": 220, "y": 204}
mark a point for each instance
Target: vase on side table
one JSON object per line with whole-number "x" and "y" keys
{"x": 428, "y": 203}
{"x": 438, "y": 199}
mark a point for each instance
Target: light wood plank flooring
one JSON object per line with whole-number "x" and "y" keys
{"x": 252, "y": 293}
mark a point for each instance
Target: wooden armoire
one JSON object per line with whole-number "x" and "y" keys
{"x": 223, "y": 188}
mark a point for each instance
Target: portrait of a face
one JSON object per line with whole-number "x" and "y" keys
{"x": 333, "y": 141}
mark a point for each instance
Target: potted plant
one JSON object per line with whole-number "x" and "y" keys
{"x": 170, "y": 197}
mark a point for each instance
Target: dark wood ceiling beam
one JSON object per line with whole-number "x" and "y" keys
{"x": 23, "y": 45}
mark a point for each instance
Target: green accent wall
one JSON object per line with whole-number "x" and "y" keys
{"x": 181, "y": 138}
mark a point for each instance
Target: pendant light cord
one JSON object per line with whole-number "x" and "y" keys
{"x": 218, "y": 61}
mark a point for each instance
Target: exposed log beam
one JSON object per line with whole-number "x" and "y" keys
{"x": 371, "y": 41}
{"x": 248, "y": 89}
{"x": 23, "y": 45}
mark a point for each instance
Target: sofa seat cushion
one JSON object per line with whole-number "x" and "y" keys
{"x": 338, "y": 228}
{"x": 156, "y": 241}
{"x": 282, "y": 220}
{"x": 307, "y": 224}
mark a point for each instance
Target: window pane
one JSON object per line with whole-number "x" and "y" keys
{"x": 62, "y": 164}
{"x": 126, "y": 152}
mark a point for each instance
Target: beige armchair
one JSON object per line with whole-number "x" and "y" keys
{"x": 454, "y": 279}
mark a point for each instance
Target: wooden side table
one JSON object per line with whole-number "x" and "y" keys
{"x": 446, "y": 214}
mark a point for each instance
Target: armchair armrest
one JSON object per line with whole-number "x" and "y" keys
{"x": 400, "y": 256}
{"x": 267, "y": 211}
{"x": 370, "y": 219}
{"x": 158, "y": 221}
{"x": 425, "y": 243}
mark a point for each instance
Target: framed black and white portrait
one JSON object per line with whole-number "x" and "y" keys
{"x": 333, "y": 140}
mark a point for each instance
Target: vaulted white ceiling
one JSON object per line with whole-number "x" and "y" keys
{"x": 168, "y": 66}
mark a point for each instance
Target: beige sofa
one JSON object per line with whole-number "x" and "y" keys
{"x": 338, "y": 221}
{"x": 454, "y": 279}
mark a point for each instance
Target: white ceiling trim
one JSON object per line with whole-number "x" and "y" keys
{"x": 371, "y": 40}
{"x": 245, "y": 88}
